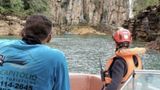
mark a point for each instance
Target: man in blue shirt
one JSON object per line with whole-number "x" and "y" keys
{"x": 28, "y": 64}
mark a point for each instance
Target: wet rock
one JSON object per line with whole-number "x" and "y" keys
{"x": 154, "y": 44}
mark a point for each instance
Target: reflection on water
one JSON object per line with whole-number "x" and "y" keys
{"x": 83, "y": 52}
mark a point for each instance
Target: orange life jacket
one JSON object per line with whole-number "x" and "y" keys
{"x": 127, "y": 55}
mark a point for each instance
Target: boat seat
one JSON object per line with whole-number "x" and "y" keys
{"x": 85, "y": 82}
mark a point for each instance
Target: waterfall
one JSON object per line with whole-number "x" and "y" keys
{"x": 131, "y": 8}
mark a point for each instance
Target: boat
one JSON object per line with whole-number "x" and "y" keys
{"x": 143, "y": 80}
{"x": 139, "y": 80}
{"x": 80, "y": 81}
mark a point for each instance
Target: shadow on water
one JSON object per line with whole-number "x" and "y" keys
{"x": 83, "y": 52}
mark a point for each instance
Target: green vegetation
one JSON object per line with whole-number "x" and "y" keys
{"x": 23, "y": 8}
{"x": 11, "y": 6}
{"x": 142, "y": 4}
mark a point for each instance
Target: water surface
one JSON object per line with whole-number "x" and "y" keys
{"x": 84, "y": 52}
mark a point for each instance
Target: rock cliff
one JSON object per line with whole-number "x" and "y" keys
{"x": 10, "y": 25}
{"x": 89, "y": 12}
{"x": 68, "y": 13}
{"x": 146, "y": 26}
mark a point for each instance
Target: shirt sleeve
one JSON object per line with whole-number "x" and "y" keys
{"x": 116, "y": 71}
{"x": 62, "y": 75}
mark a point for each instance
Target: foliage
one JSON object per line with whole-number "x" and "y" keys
{"x": 36, "y": 6}
{"x": 142, "y": 4}
{"x": 23, "y": 7}
{"x": 11, "y": 7}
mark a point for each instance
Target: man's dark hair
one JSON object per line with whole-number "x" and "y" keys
{"x": 36, "y": 29}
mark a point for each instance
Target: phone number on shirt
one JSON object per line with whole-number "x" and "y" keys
{"x": 15, "y": 85}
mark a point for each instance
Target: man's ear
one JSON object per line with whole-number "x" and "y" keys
{"x": 49, "y": 38}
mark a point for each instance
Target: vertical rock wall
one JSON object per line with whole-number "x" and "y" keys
{"x": 89, "y": 12}
{"x": 145, "y": 26}
{"x": 67, "y": 13}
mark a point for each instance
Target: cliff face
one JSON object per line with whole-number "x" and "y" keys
{"x": 91, "y": 12}
{"x": 10, "y": 25}
{"x": 68, "y": 13}
{"x": 146, "y": 26}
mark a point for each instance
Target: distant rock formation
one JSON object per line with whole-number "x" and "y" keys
{"x": 146, "y": 26}
{"x": 85, "y": 30}
{"x": 68, "y": 13}
{"x": 154, "y": 44}
{"x": 89, "y": 12}
{"x": 10, "y": 25}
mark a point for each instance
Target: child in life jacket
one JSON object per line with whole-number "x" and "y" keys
{"x": 121, "y": 66}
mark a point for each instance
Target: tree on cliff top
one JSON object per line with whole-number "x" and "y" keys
{"x": 142, "y": 4}
{"x": 23, "y": 7}
{"x": 11, "y": 6}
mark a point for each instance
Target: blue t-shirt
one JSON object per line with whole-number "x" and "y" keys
{"x": 32, "y": 67}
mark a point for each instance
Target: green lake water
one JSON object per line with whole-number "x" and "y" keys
{"x": 84, "y": 52}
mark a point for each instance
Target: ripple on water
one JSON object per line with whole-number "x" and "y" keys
{"x": 83, "y": 52}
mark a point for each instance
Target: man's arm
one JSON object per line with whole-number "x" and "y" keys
{"x": 116, "y": 71}
{"x": 62, "y": 75}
